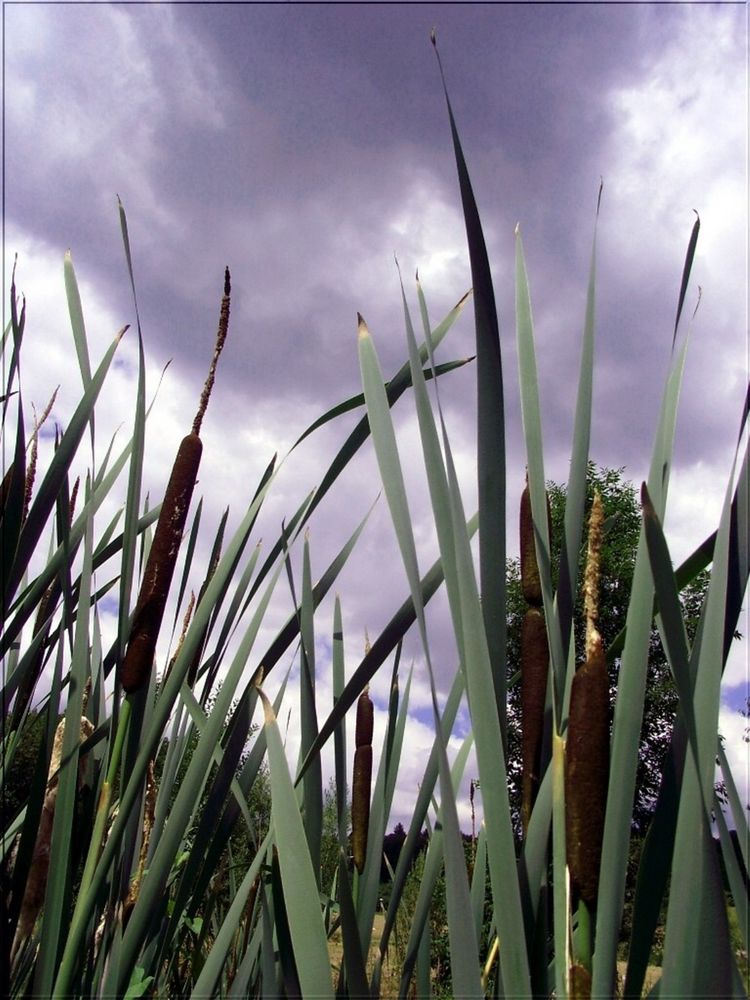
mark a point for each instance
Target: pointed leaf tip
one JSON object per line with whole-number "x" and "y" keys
{"x": 268, "y": 712}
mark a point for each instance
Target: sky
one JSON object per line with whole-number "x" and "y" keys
{"x": 306, "y": 147}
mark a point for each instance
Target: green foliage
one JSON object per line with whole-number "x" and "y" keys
{"x": 623, "y": 521}
{"x": 150, "y": 849}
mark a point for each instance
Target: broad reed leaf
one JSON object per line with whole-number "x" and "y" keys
{"x": 354, "y": 963}
{"x": 167, "y": 697}
{"x": 290, "y": 630}
{"x": 685, "y": 281}
{"x": 381, "y": 648}
{"x": 355, "y": 402}
{"x": 227, "y": 758}
{"x": 561, "y": 888}
{"x": 433, "y": 863}
{"x": 391, "y": 475}
{"x": 437, "y": 479}
{"x": 575, "y": 497}
{"x": 672, "y": 628}
{"x": 490, "y": 426}
{"x": 739, "y": 812}
{"x": 58, "y": 880}
{"x": 75, "y": 311}
{"x": 479, "y": 679}
{"x": 735, "y": 875}
{"x": 532, "y": 428}
{"x": 11, "y": 512}
{"x": 50, "y": 486}
{"x": 233, "y": 809}
{"x": 396, "y": 388}
{"x": 16, "y": 325}
{"x": 189, "y": 793}
{"x": 131, "y": 534}
{"x": 491, "y": 761}
{"x": 312, "y": 783}
{"x": 380, "y": 809}
{"x": 630, "y": 698}
{"x": 386, "y": 451}
{"x": 462, "y": 932}
{"x": 686, "y": 971}
{"x": 207, "y": 982}
{"x": 424, "y": 795}
{"x": 654, "y": 866}
{"x": 339, "y": 735}
{"x": 298, "y": 879}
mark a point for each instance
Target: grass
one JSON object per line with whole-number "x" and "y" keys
{"x": 143, "y": 894}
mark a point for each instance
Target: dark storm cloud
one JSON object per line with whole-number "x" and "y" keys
{"x": 303, "y": 128}
{"x": 304, "y": 145}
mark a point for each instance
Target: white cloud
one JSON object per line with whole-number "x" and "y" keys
{"x": 99, "y": 91}
{"x": 733, "y": 727}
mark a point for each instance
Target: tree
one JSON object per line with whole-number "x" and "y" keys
{"x": 623, "y": 522}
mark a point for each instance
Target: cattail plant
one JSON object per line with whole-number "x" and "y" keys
{"x": 162, "y": 558}
{"x": 587, "y": 745}
{"x": 362, "y": 779}
{"x": 36, "y": 884}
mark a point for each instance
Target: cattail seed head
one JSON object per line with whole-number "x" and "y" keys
{"x": 362, "y": 779}
{"x": 365, "y": 720}
{"x": 587, "y": 772}
{"x": 162, "y": 558}
{"x": 580, "y": 982}
{"x": 531, "y": 583}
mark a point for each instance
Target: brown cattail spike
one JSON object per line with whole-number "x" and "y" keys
{"x": 531, "y": 583}
{"x": 365, "y": 720}
{"x": 587, "y": 747}
{"x": 157, "y": 578}
{"x": 580, "y": 982}
{"x": 587, "y": 773}
{"x": 534, "y": 670}
{"x": 362, "y": 779}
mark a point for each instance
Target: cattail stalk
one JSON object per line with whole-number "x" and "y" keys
{"x": 162, "y": 558}
{"x": 36, "y": 883}
{"x": 587, "y": 746}
{"x": 362, "y": 779}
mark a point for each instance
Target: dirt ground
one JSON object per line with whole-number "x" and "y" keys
{"x": 390, "y": 977}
